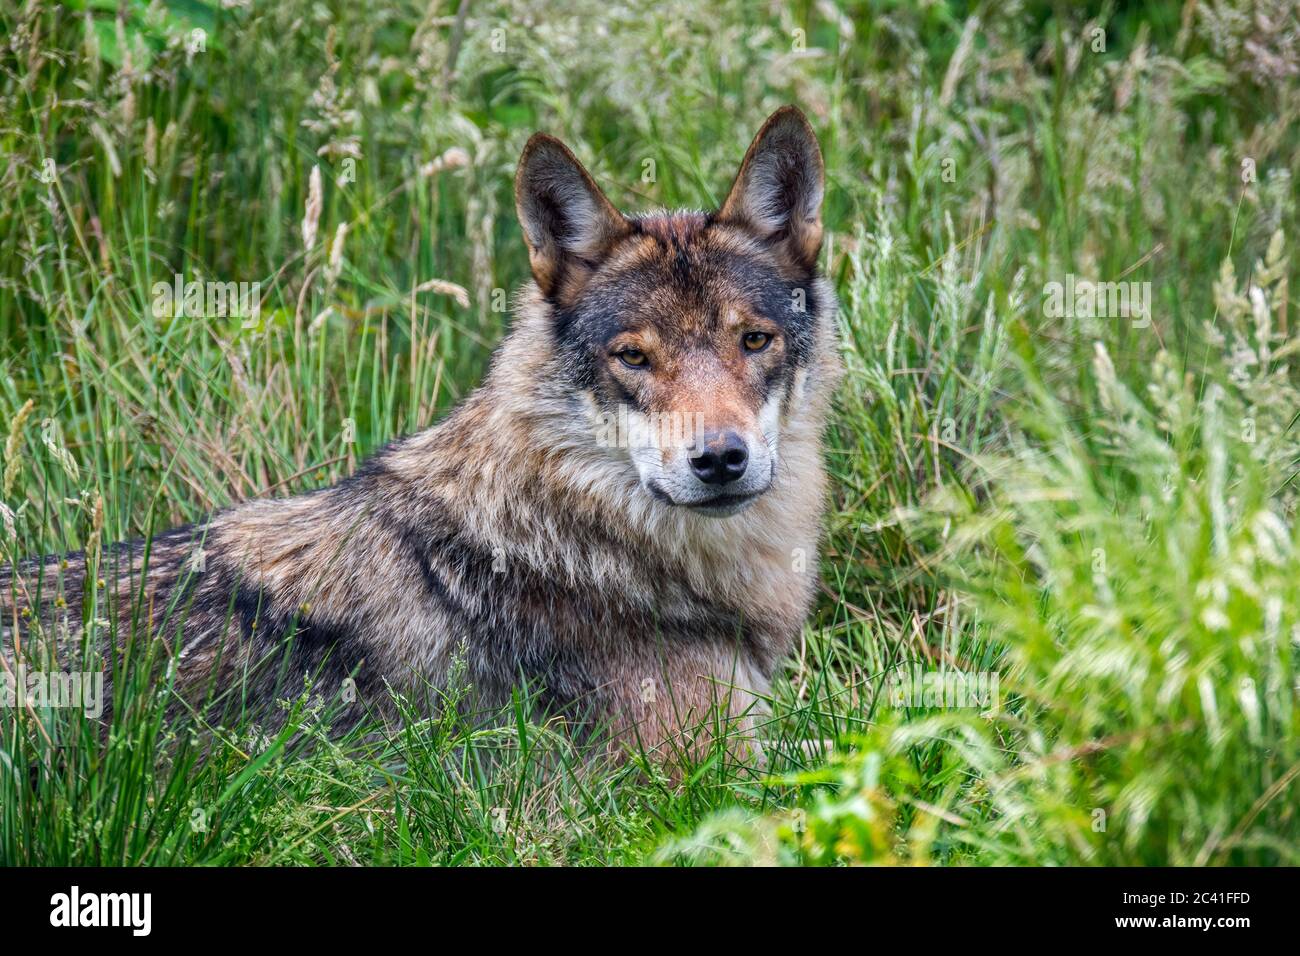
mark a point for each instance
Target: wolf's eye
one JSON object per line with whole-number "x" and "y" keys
{"x": 633, "y": 358}
{"x": 756, "y": 341}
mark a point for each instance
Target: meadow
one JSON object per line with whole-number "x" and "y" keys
{"x": 1086, "y": 513}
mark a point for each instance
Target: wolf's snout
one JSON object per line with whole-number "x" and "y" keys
{"x": 723, "y": 458}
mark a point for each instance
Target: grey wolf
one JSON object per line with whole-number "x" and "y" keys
{"x": 638, "y": 587}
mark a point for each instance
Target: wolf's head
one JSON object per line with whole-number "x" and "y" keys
{"x": 684, "y": 336}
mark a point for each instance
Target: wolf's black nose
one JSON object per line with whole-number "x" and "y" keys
{"x": 722, "y": 459}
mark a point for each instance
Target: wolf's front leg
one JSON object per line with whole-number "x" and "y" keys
{"x": 677, "y": 703}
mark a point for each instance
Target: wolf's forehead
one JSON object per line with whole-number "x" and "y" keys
{"x": 686, "y": 276}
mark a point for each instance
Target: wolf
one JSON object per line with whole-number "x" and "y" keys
{"x": 623, "y": 519}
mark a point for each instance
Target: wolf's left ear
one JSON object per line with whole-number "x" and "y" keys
{"x": 568, "y": 223}
{"x": 777, "y": 194}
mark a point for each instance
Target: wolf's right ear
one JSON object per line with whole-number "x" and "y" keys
{"x": 568, "y": 223}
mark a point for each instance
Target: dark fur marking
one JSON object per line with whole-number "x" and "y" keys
{"x": 671, "y": 229}
{"x": 421, "y": 549}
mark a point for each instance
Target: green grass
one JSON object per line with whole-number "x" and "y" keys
{"x": 1098, "y": 512}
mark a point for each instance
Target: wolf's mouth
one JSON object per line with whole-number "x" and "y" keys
{"x": 719, "y": 506}
{"x": 721, "y": 500}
